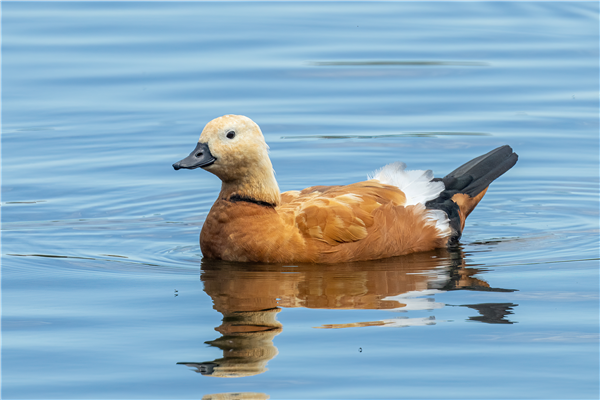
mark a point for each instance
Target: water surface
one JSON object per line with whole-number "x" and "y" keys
{"x": 104, "y": 290}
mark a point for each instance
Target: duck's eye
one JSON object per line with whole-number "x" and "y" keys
{"x": 230, "y": 134}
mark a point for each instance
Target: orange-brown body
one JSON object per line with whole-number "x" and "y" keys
{"x": 319, "y": 225}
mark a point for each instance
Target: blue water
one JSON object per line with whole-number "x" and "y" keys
{"x": 104, "y": 290}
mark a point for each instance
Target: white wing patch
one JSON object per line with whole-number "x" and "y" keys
{"x": 418, "y": 189}
{"x": 416, "y": 185}
{"x": 441, "y": 221}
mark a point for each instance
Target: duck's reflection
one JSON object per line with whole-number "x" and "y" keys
{"x": 250, "y": 295}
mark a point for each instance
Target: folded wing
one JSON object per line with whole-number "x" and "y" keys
{"x": 338, "y": 214}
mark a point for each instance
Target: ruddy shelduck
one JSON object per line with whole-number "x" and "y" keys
{"x": 396, "y": 212}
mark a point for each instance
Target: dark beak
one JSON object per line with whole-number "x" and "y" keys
{"x": 200, "y": 157}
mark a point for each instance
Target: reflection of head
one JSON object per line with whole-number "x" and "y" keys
{"x": 247, "y": 344}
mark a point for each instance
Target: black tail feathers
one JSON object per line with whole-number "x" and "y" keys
{"x": 474, "y": 176}
{"x": 471, "y": 179}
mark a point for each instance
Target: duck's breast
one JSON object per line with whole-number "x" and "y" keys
{"x": 244, "y": 231}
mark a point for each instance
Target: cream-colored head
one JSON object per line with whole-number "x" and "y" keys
{"x": 240, "y": 156}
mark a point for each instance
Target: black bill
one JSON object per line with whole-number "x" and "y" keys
{"x": 200, "y": 157}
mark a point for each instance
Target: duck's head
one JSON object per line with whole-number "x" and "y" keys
{"x": 233, "y": 148}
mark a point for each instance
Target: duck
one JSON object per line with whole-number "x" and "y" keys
{"x": 393, "y": 213}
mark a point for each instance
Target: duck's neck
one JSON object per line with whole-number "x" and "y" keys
{"x": 259, "y": 188}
